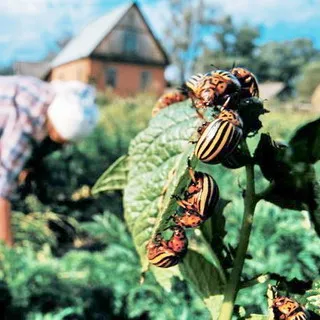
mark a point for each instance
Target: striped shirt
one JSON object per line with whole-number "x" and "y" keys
{"x": 23, "y": 107}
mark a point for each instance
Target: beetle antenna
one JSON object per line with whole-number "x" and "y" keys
{"x": 212, "y": 65}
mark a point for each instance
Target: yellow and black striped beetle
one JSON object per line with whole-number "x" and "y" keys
{"x": 285, "y": 308}
{"x": 216, "y": 88}
{"x": 167, "y": 253}
{"x": 200, "y": 199}
{"x": 248, "y": 81}
{"x": 220, "y": 137}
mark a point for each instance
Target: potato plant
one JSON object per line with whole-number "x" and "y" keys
{"x": 156, "y": 172}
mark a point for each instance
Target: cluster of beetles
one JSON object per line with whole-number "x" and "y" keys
{"x": 218, "y": 143}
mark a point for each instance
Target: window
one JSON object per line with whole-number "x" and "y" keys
{"x": 130, "y": 41}
{"x": 111, "y": 77}
{"x": 145, "y": 80}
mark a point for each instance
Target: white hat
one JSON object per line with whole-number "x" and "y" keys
{"x": 73, "y": 112}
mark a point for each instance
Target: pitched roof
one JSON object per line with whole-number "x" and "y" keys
{"x": 269, "y": 90}
{"x": 35, "y": 69}
{"x": 89, "y": 38}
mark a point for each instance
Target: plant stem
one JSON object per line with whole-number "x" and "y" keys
{"x": 250, "y": 202}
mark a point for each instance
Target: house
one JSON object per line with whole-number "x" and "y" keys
{"x": 271, "y": 89}
{"x": 118, "y": 50}
{"x": 35, "y": 69}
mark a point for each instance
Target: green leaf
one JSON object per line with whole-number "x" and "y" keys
{"x": 270, "y": 157}
{"x": 305, "y": 144}
{"x": 114, "y": 178}
{"x": 157, "y": 170}
{"x": 294, "y": 185}
{"x": 314, "y": 205}
{"x": 214, "y": 230}
{"x": 205, "y": 279}
{"x": 312, "y": 298}
{"x": 249, "y": 110}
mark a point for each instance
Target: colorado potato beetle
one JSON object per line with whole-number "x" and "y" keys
{"x": 199, "y": 200}
{"x": 216, "y": 88}
{"x": 220, "y": 137}
{"x": 167, "y": 99}
{"x": 167, "y": 253}
{"x": 288, "y": 309}
{"x": 248, "y": 81}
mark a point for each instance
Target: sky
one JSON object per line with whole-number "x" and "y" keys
{"x": 31, "y": 28}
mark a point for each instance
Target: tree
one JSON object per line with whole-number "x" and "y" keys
{"x": 225, "y": 35}
{"x": 187, "y": 26}
{"x": 233, "y": 46}
{"x": 246, "y": 36}
{"x": 282, "y": 61}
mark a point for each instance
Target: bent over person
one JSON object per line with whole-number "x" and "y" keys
{"x": 36, "y": 115}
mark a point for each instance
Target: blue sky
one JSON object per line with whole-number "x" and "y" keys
{"x": 30, "y": 28}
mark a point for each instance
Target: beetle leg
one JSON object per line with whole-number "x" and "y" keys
{"x": 183, "y": 203}
{"x": 200, "y": 114}
{"x": 203, "y": 127}
{"x": 226, "y": 102}
{"x": 174, "y": 196}
{"x": 192, "y": 173}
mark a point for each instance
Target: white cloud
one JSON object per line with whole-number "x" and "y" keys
{"x": 258, "y": 12}
{"x": 269, "y": 12}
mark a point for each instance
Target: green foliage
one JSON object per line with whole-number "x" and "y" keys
{"x": 283, "y": 61}
{"x": 91, "y": 285}
{"x": 104, "y": 280}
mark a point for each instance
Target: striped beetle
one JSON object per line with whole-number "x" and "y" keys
{"x": 167, "y": 253}
{"x": 199, "y": 200}
{"x": 219, "y": 138}
{"x": 288, "y": 309}
{"x": 248, "y": 81}
{"x": 215, "y": 88}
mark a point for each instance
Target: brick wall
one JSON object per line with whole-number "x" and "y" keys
{"x": 75, "y": 70}
{"x": 128, "y": 77}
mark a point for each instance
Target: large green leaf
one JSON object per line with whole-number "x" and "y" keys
{"x": 114, "y": 178}
{"x": 205, "y": 279}
{"x": 294, "y": 183}
{"x": 158, "y": 169}
{"x": 305, "y": 144}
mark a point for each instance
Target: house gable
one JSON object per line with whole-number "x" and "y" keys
{"x": 104, "y": 37}
{"x": 131, "y": 40}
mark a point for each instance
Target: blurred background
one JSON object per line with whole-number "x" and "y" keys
{"x": 73, "y": 257}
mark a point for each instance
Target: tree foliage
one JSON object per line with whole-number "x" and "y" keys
{"x": 187, "y": 26}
